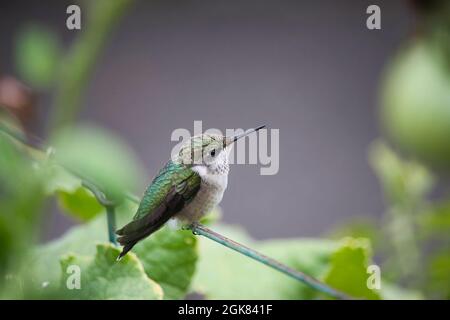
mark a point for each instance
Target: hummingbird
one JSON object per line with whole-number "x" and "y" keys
{"x": 188, "y": 187}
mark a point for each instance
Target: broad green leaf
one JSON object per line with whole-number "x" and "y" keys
{"x": 78, "y": 240}
{"x": 225, "y": 274}
{"x": 73, "y": 198}
{"x": 169, "y": 257}
{"x": 348, "y": 270}
{"x": 103, "y": 277}
{"x": 100, "y": 157}
{"x": 366, "y": 228}
{"x": 37, "y": 55}
{"x": 79, "y": 203}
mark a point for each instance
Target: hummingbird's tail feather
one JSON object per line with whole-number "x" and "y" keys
{"x": 129, "y": 239}
{"x": 125, "y": 250}
{"x": 141, "y": 228}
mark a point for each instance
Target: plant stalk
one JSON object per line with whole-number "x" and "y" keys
{"x": 199, "y": 229}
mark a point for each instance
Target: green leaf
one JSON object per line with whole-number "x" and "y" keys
{"x": 80, "y": 204}
{"x": 348, "y": 271}
{"x": 73, "y": 199}
{"x": 102, "y": 277}
{"x": 78, "y": 240}
{"x": 98, "y": 156}
{"x": 37, "y": 55}
{"x": 226, "y": 274}
{"x": 169, "y": 257}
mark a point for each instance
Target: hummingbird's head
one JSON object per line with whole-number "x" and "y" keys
{"x": 209, "y": 150}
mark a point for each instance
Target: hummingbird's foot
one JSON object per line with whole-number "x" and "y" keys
{"x": 192, "y": 226}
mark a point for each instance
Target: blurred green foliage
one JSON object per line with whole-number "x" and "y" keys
{"x": 416, "y": 116}
{"x": 74, "y": 199}
{"x": 170, "y": 258}
{"x": 223, "y": 274}
{"x": 21, "y": 200}
{"x": 98, "y": 21}
{"x": 166, "y": 264}
{"x": 105, "y": 278}
{"x": 412, "y": 240}
{"x": 38, "y": 54}
{"x": 348, "y": 271}
{"x": 79, "y": 203}
{"x": 167, "y": 258}
{"x": 416, "y": 107}
{"x": 98, "y": 156}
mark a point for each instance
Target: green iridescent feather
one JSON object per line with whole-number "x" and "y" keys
{"x": 172, "y": 175}
{"x": 174, "y": 187}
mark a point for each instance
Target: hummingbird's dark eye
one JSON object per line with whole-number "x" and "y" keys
{"x": 213, "y": 152}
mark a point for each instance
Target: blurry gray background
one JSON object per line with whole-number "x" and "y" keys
{"x": 308, "y": 68}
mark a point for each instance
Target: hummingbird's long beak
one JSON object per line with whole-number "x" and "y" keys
{"x": 230, "y": 140}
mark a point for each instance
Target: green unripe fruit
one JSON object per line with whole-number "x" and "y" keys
{"x": 416, "y": 104}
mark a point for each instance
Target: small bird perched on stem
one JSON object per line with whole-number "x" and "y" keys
{"x": 188, "y": 187}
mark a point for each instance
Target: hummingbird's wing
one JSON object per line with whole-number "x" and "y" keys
{"x": 173, "y": 188}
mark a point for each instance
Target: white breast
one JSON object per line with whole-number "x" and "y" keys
{"x": 210, "y": 194}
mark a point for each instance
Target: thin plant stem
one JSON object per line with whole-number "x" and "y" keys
{"x": 109, "y": 206}
{"x": 199, "y": 229}
{"x": 111, "y": 219}
{"x": 78, "y": 64}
